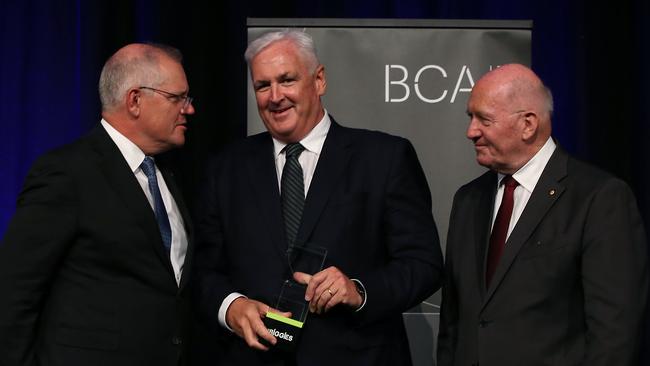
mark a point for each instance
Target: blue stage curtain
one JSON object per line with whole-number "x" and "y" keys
{"x": 594, "y": 57}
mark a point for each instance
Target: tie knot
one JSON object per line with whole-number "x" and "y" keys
{"x": 148, "y": 167}
{"x": 294, "y": 149}
{"x": 509, "y": 182}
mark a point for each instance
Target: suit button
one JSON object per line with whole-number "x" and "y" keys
{"x": 483, "y": 323}
{"x": 176, "y": 340}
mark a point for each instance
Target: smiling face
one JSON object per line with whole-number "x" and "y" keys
{"x": 162, "y": 122}
{"x": 287, "y": 91}
{"x": 510, "y": 117}
{"x": 495, "y": 128}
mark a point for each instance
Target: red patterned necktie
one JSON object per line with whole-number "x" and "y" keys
{"x": 500, "y": 228}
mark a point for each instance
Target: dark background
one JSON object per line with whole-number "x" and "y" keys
{"x": 594, "y": 57}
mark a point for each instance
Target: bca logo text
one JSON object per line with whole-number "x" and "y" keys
{"x": 401, "y": 91}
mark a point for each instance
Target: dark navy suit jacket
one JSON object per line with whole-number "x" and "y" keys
{"x": 368, "y": 204}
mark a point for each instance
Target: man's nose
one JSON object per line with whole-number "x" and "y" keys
{"x": 276, "y": 93}
{"x": 473, "y": 132}
{"x": 189, "y": 108}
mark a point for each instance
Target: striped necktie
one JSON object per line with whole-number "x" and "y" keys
{"x": 292, "y": 191}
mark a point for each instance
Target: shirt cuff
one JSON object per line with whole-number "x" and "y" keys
{"x": 223, "y": 309}
{"x": 364, "y": 295}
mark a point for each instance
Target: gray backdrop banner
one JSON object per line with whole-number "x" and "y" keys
{"x": 410, "y": 78}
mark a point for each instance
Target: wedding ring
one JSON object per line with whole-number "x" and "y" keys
{"x": 330, "y": 291}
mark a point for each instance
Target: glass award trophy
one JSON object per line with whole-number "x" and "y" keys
{"x": 286, "y": 329}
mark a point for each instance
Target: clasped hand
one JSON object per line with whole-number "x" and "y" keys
{"x": 245, "y": 316}
{"x": 327, "y": 289}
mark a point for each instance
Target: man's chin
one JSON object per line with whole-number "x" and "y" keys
{"x": 280, "y": 126}
{"x": 177, "y": 141}
{"x": 484, "y": 161}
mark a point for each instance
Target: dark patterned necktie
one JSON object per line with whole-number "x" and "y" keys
{"x": 149, "y": 169}
{"x": 292, "y": 191}
{"x": 500, "y": 228}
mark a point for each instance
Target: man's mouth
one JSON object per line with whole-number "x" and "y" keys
{"x": 280, "y": 110}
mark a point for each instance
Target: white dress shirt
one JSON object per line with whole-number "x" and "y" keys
{"x": 527, "y": 176}
{"x": 313, "y": 144}
{"x": 134, "y": 157}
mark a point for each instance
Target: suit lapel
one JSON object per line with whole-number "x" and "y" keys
{"x": 264, "y": 182}
{"x": 170, "y": 181}
{"x": 120, "y": 177}
{"x": 483, "y": 223}
{"x": 547, "y": 191}
{"x": 331, "y": 165}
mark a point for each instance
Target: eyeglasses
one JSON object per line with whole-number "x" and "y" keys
{"x": 187, "y": 100}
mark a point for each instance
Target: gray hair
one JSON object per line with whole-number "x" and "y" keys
{"x": 548, "y": 96}
{"x": 522, "y": 86}
{"x": 303, "y": 42}
{"x": 124, "y": 71}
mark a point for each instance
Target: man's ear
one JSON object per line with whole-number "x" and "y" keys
{"x": 132, "y": 101}
{"x": 531, "y": 124}
{"x": 320, "y": 80}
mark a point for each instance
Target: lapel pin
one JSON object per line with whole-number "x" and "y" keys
{"x": 551, "y": 192}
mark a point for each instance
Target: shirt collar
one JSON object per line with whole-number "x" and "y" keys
{"x": 314, "y": 140}
{"x": 131, "y": 152}
{"x": 528, "y": 175}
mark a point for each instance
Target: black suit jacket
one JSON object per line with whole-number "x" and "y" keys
{"x": 571, "y": 286}
{"x": 84, "y": 277}
{"x": 368, "y": 204}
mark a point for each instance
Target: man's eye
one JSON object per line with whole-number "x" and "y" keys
{"x": 484, "y": 121}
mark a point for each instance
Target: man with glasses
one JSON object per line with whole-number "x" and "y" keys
{"x": 94, "y": 264}
{"x": 311, "y": 183}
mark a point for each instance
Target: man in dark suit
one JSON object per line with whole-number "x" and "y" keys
{"x": 365, "y": 200}
{"x": 546, "y": 256}
{"x": 93, "y": 266}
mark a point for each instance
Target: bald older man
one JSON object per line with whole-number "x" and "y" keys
{"x": 93, "y": 266}
{"x": 546, "y": 255}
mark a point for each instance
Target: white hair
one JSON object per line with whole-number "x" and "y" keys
{"x": 303, "y": 42}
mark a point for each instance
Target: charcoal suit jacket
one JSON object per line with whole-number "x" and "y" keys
{"x": 84, "y": 276}
{"x": 571, "y": 285}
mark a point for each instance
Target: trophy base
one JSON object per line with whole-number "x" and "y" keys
{"x": 285, "y": 330}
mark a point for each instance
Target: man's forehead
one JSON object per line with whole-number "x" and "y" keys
{"x": 274, "y": 70}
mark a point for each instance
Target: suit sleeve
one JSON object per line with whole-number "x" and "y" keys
{"x": 33, "y": 246}
{"x": 448, "y": 333}
{"x": 614, "y": 276}
{"x": 413, "y": 270}
{"x": 212, "y": 283}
